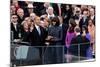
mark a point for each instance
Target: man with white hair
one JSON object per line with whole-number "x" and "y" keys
{"x": 50, "y": 12}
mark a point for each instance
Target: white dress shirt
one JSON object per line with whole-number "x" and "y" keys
{"x": 38, "y": 29}
{"x": 15, "y": 26}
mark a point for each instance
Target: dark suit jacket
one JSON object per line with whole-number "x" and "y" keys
{"x": 94, "y": 20}
{"x": 15, "y": 32}
{"x": 25, "y": 36}
{"x": 64, "y": 30}
{"x": 81, "y": 23}
{"x": 78, "y": 40}
{"x": 36, "y": 39}
{"x": 67, "y": 15}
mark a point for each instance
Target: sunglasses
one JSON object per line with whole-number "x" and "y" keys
{"x": 14, "y": 17}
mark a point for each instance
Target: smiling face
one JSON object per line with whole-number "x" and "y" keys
{"x": 20, "y": 12}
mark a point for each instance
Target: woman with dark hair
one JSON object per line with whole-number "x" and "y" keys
{"x": 55, "y": 49}
{"x": 85, "y": 32}
{"x": 55, "y": 32}
{"x": 55, "y": 21}
{"x": 70, "y": 33}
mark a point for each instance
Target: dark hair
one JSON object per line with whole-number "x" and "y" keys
{"x": 71, "y": 29}
{"x": 77, "y": 30}
{"x": 73, "y": 25}
{"x": 41, "y": 18}
{"x": 91, "y": 20}
{"x": 56, "y": 19}
{"x": 85, "y": 10}
{"x": 72, "y": 22}
{"x": 85, "y": 28}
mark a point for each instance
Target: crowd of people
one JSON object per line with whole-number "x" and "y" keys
{"x": 51, "y": 24}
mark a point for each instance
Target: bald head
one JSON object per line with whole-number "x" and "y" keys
{"x": 20, "y": 12}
